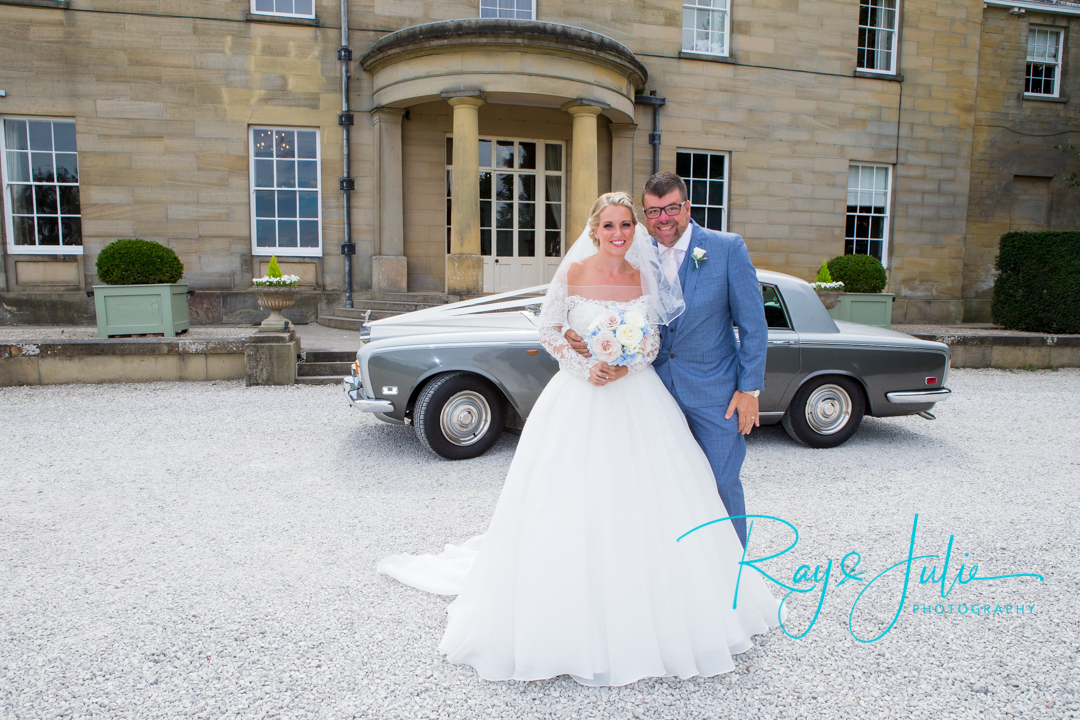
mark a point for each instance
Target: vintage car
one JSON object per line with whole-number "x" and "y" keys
{"x": 462, "y": 373}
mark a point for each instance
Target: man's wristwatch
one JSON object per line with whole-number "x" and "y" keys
{"x": 751, "y": 393}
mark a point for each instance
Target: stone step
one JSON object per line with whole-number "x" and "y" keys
{"x": 348, "y": 323}
{"x": 323, "y": 369}
{"x": 319, "y": 380}
{"x": 330, "y": 356}
{"x": 416, "y": 298}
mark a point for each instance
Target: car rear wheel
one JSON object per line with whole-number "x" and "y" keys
{"x": 825, "y": 412}
{"x": 458, "y": 416}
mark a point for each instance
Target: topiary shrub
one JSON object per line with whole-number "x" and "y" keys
{"x": 823, "y": 274}
{"x": 859, "y": 273}
{"x": 132, "y": 261}
{"x": 1038, "y": 286}
{"x": 273, "y": 269}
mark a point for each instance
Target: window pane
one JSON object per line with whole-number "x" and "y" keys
{"x": 48, "y": 229}
{"x": 504, "y": 154}
{"x": 527, "y": 155}
{"x": 698, "y": 215}
{"x": 42, "y": 166}
{"x": 553, "y": 188}
{"x": 553, "y": 244}
{"x": 264, "y": 173}
{"x": 485, "y": 242}
{"x": 714, "y": 218}
{"x": 64, "y": 136}
{"x": 485, "y": 185}
{"x": 504, "y": 215}
{"x": 45, "y": 200}
{"x": 284, "y": 143}
{"x": 716, "y": 167}
{"x": 40, "y": 135}
{"x": 485, "y": 153}
{"x": 553, "y": 216}
{"x": 69, "y": 200}
{"x": 449, "y": 151}
{"x": 526, "y": 187}
{"x": 527, "y": 215}
{"x": 308, "y": 204}
{"x": 263, "y": 143}
{"x": 264, "y": 203}
{"x": 552, "y": 157}
{"x": 302, "y": 7}
{"x": 307, "y": 174}
{"x": 67, "y": 167}
{"x": 71, "y": 227}
{"x": 24, "y": 231}
{"x": 264, "y": 5}
{"x": 265, "y": 233}
{"x": 18, "y": 166}
{"x": 504, "y": 243}
{"x": 306, "y": 145}
{"x": 526, "y": 243}
{"x": 716, "y": 193}
{"x": 286, "y": 174}
{"x": 283, "y": 6}
{"x": 22, "y": 199}
{"x": 287, "y": 233}
{"x": 309, "y": 233}
{"x": 15, "y": 135}
{"x": 286, "y": 204}
{"x": 504, "y": 186}
{"x": 699, "y": 193}
{"x": 485, "y": 213}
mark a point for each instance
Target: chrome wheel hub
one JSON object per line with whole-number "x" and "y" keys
{"x": 828, "y": 409}
{"x": 465, "y": 418}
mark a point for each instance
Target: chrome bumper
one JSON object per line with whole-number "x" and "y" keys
{"x": 918, "y": 397}
{"x": 355, "y": 390}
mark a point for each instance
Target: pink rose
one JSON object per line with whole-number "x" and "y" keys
{"x": 608, "y": 320}
{"x": 646, "y": 344}
{"x": 605, "y": 347}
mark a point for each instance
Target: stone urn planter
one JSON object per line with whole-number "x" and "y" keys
{"x": 829, "y": 298}
{"x": 275, "y": 299}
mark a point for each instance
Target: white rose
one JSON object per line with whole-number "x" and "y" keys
{"x": 634, "y": 319}
{"x": 609, "y": 320}
{"x": 605, "y": 347}
{"x": 628, "y": 336}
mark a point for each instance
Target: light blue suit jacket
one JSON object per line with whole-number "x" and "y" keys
{"x": 699, "y": 361}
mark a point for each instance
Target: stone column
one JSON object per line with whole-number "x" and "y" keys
{"x": 622, "y": 158}
{"x": 464, "y": 264}
{"x": 389, "y": 267}
{"x": 584, "y": 184}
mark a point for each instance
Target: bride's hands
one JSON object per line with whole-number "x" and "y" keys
{"x": 601, "y": 373}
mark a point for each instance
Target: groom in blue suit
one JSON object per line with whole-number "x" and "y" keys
{"x": 715, "y": 380}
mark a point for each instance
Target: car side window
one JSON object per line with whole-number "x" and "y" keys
{"x": 775, "y": 314}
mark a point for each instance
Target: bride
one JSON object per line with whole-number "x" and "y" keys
{"x": 581, "y": 571}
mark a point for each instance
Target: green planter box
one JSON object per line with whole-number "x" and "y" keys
{"x": 141, "y": 309}
{"x": 866, "y": 308}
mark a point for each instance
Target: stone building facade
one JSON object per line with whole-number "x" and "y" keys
{"x": 916, "y": 130}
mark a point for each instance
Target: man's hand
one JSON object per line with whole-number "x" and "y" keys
{"x": 577, "y": 344}
{"x": 747, "y": 408}
{"x": 601, "y": 374}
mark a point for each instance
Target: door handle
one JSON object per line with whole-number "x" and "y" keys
{"x": 783, "y": 342}
{"x": 496, "y": 261}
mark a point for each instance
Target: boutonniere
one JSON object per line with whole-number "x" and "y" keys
{"x": 698, "y": 256}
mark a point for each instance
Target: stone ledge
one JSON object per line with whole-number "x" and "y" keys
{"x": 281, "y": 19}
{"x": 1010, "y": 351}
{"x": 55, "y": 4}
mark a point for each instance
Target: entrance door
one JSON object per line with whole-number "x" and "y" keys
{"x": 521, "y": 211}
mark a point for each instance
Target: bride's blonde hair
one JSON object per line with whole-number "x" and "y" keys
{"x": 604, "y": 201}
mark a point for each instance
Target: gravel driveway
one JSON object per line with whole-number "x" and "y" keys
{"x": 208, "y": 550}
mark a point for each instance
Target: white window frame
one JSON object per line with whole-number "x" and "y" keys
{"x": 691, "y": 181}
{"x": 886, "y": 217}
{"x": 692, "y": 9}
{"x": 9, "y": 225}
{"x": 275, "y": 13}
{"x": 890, "y": 32}
{"x": 1033, "y": 34}
{"x": 278, "y": 250}
{"x": 494, "y": 12}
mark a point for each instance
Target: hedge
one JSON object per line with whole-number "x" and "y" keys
{"x": 1038, "y": 283}
{"x": 138, "y": 262}
{"x": 859, "y": 273}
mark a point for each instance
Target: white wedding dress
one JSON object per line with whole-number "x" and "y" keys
{"x": 579, "y": 572}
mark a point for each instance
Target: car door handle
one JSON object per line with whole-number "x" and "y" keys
{"x": 783, "y": 342}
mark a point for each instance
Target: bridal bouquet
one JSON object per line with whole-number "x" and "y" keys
{"x": 618, "y": 337}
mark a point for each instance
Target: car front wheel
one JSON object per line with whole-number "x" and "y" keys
{"x": 825, "y": 412}
{"x": 458, "y": 416}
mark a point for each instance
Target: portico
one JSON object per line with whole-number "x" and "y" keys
{"x": 561, "y": 103}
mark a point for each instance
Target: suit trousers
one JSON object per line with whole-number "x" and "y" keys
{"x": 726, "y": 449}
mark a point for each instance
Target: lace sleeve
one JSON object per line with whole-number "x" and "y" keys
{"x": 651, "y": 351}
{"x": 569, "y": 361}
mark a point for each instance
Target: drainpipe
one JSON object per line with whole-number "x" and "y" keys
{"x": 345, "y": 120}
{"x": 654, "y": 136}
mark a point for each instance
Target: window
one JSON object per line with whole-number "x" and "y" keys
{"x": 284, "y": 8}
{"x": 286, "y": 207}
{"x": 705, "y": 175}
{"x": 1043, "y": 75}
{"x": 877, "y": 36}
{"x": 41, "y": 187}
{"x": 705, "y": 26}
{"x": 508, "y": 9}
{"x": 867, "y": 211}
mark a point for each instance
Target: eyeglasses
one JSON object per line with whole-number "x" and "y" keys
{"x": 671, "y": 210}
